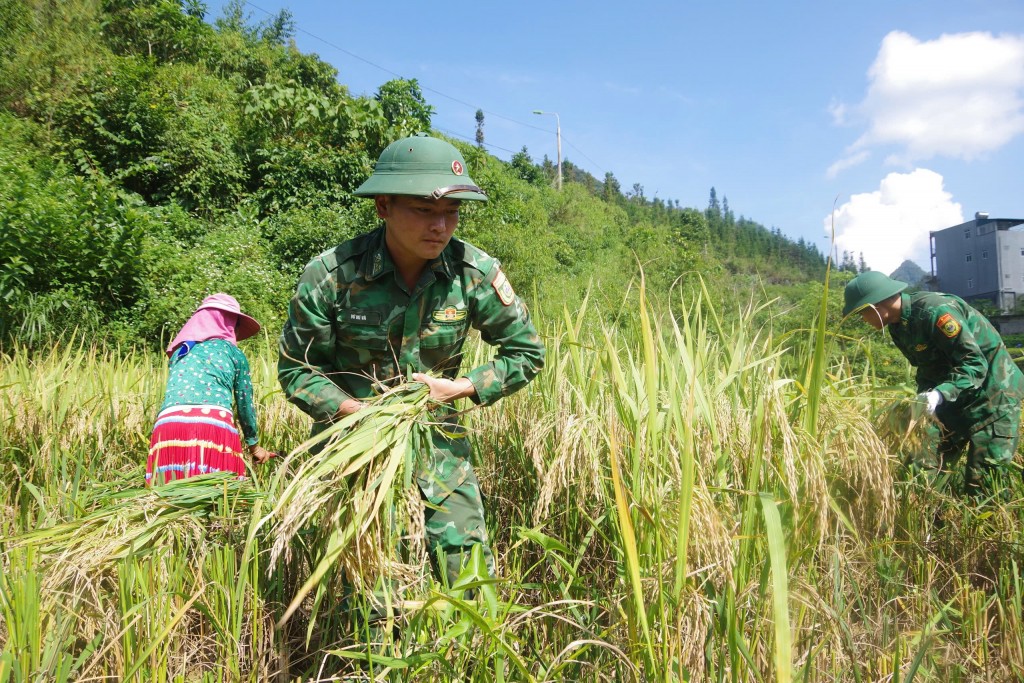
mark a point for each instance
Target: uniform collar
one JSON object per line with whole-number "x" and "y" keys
{"x": 901, "y": 324}
{"x": 443, "y": 263}
{"x": 904, "y": 308}
{"x": 377, "y": 259}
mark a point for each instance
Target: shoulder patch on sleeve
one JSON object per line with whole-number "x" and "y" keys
{"x": 948, "y": 325}
{"x": 503, "y": 288}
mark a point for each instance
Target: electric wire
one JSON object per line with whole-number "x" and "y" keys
{"x": 299, "y": 29}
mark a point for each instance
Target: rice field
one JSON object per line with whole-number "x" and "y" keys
{"x": 681, "y": 495}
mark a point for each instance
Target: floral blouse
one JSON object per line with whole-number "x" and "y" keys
{"x": 209, "y": 374}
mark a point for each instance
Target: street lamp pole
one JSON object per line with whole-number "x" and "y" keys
{"x": 558, "y": 136}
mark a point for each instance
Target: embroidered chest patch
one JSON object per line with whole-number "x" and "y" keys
{"x": 948, "y": 325}
{"x": 361, "y": 317}
{"x": 920, "y": 347}
{"x": 449, "y": 315}
{"x": 504, "y": 288}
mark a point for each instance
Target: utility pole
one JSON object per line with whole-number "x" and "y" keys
{"x": 558, "y": 137}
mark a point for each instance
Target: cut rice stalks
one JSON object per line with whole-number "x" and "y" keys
{"x": 134, "y": 521}
{"x": 909, "y": 430}
{"x": 353, "y": 484}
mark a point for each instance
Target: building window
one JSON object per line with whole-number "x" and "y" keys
{"x": 984, "y": 254}
{"x": 967, "y": 233}
{"x": 1022, "y": 251}
{"x": 967, "y": 258}
{"x": 970, "y": 283}
{"x": 1006, "y": 277}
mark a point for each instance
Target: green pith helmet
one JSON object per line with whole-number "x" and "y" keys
{"x": 869, "y": 288}
{"x": 421, "y": 166}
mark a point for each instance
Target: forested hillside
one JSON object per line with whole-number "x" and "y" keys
{"x": 150, "y": 154}
{"x": 714, "y": 478}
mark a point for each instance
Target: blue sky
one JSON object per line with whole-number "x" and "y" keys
{"x": 907, "y": 116}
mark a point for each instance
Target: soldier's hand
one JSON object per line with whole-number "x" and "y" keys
{"x": 349, "y": 406}
{"x": 446, "y": 390}
{"x": 932, "y": 399}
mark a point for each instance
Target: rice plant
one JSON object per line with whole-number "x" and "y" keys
{"x": 682, "y": 494}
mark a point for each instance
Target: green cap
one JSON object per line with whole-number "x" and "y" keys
{"x": 421, "y": 166}
{"x": 869, "y": 288}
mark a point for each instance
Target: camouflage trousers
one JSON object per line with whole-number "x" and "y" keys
{"x": 454, "y": 514}
{"x": 990, "y": 450}
{"x": 454, "y": 525}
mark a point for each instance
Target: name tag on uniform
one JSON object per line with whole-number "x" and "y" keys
{"x": 361, "y": 317}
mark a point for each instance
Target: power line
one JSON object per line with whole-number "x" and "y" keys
{"x": 299, "y": 29}
{"x": 473, "y": 139}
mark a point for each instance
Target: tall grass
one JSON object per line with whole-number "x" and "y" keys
{"x": 680, "y": 495}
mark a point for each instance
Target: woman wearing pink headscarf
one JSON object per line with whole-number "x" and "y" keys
{"x": 195, "y": 431}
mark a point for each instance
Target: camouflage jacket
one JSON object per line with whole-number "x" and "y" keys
{"x": 353, "y": 323}
{"x": 957, "y": 352}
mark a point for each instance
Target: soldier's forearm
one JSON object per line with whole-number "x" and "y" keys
{"x": 447, "y": 390}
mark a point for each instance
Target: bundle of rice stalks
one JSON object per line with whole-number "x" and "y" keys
{"x": 355, "y": 482}
{"x": 135, "y": 521}
{"x": 907, "y": 428}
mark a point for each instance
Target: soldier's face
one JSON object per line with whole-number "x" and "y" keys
{"x": 418, "y": 228}
{"x": 872, "y": 316}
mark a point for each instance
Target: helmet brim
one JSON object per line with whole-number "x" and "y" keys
{"x": 419, "y": 185}
{"x": 873, "y": 298}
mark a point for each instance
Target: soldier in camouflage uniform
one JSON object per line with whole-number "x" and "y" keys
{"x": 399, "y": 301}
{"x": 965, "y": 375}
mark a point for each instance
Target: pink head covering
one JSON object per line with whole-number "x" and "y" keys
{"x": 218, "y": 317}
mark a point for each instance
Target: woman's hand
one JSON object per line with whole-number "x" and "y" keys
{"x": 446, "y": 390}
{"x": 260, "y": 454}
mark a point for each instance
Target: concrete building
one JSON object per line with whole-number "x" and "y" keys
{"x": 980, "y": 259}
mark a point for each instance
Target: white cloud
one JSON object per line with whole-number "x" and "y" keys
{"x": 892, "y": 223}
{"x": 838, "y": 110}
{"x": 960, "y": 95}
{"x": 847, "y": 162}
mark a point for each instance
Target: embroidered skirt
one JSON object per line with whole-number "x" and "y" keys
{"x": 191, "y": 440}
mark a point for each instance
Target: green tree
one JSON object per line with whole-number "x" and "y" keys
{"x": 305, "y": 147}
{"x": 403, "y": 105}
{"x": 163, "y": 30}
{"x": 611, "y": 190}
{"x": 638, "y": 193}
{"x": 692, "y": 228}
{"x": 58, "y": 229}
{"x": 714, "y": 210}
{"x": 522, "y": 167}
{"x": 165, "y": 132}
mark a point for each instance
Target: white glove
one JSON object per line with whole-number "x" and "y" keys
{"x": 932, "y": 399}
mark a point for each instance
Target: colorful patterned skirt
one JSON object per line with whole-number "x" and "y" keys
{"x": 191, "y": 440}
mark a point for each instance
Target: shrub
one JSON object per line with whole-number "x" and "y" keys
{"x": 230, "y": 256}
{"x": 167, "y": 133}
{"x": 62, "y": 230}
{"x": 296, "y": 236}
